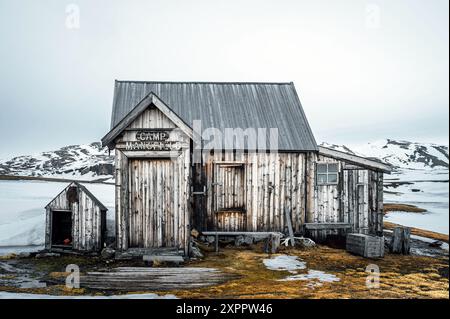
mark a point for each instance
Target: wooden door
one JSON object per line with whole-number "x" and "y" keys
{"x": 355, "y": 199}
{"x": 229, "y": 197}
{"x": 151, "y": 216}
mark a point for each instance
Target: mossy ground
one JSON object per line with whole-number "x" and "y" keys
{"x": 388, "y": 207}
{"x": 420, "y": 232}
{"x": 400, "y": 276}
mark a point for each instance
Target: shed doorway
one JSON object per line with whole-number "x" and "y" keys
{"x": 62, "y": 229}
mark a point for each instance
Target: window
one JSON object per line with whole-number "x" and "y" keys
{"x": 327, "y": 173}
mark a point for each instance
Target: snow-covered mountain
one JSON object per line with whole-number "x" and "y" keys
{"x": 80, "y": 162}
{"x": 402, "y": 154}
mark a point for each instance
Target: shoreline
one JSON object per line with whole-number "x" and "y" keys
{"x": 419, "y": 232}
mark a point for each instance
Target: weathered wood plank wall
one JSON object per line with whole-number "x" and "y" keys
{"x": 267, "y": 184}
{"x": 357, "y": 199}
{"x": 232, "y": 191}
{"x": 273, "y": 182}
{"x": 152, "y": 189}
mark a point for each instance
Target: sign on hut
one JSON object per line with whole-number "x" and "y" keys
{"x": 75, "y": 220}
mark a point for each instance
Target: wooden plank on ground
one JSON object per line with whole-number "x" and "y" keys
{"x": 142, "y": 278}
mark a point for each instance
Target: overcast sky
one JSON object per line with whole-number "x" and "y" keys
{"x": 364, "y": 70}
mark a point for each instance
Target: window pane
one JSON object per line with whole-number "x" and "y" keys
{"x": 321, "y": 178}
{"x": 333, "y": 168}
{"x": 332, "y": 178}
{"x": 321, "y": 168}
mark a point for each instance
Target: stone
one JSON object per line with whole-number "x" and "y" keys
{"x": 242, "y": 240}
{"x": 46, "y": 255}
{"x": 108, "y": 253}
{"x": 195, "y": 233}
{"x": 196, "y": 252}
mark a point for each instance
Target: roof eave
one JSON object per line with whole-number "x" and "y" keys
{"x": 358, "y": 160}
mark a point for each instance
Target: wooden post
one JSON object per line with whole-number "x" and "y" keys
{"x": 275, "y": 243}
{"x": 401, "y": 242}
{"x": 217, "y": 242}
{"x": 289, "y": 225}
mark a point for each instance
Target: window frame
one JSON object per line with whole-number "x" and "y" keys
{"x": 327, "y": 173}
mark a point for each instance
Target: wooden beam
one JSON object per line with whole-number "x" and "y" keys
{"x": 242, "y": 233}
{"x": 151, "y": 154}
{"x": 324, "y": 226}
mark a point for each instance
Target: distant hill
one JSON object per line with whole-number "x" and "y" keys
{"x": 79, "y": 162}
{"x": 402, "y": 154}
{"x": 92, "y": 162}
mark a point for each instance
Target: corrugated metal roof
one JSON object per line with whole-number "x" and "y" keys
{"x": 226, "y": 105}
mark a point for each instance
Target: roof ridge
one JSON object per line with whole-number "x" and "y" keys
{"x": 205, "y": 82}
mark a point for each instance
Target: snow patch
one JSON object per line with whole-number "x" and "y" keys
{"x": 313, "y": 275}
{"x": 11, "y": 295}
{"x": 284, "y": 263}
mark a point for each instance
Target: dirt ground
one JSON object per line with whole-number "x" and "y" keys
{"x": 400, "y": 276}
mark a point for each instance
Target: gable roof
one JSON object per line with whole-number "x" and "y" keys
{"x": 150, "y": 99}
{"x": 225, "y": 105}
{"x": 83, "y": 189}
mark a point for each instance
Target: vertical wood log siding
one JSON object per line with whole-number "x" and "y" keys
{"x": 269, "y": 183}
{"x": 87, "y": 221}
{"x": 275, "y": 181}
{"x": 357, "y": 199}
{"x": 251, "y": 198}
{"x": 152, "y": 191}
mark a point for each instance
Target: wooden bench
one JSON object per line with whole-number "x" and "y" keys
{"x": 326, "y": 226}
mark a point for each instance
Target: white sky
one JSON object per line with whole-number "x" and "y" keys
{"x": 364, "y": 70}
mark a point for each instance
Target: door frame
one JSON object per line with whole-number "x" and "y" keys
{"x": 215, "y": 183}
{"x": 122, "y": 189}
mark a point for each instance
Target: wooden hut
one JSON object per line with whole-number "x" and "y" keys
{"x": 164, "y": 188}
{"x": 75, "y": 220}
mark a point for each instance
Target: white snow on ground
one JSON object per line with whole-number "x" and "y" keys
{"x": 22, "y": 213}
{"x": 284, "y": 263}
{"x": 430, "y": 240}
{"x": 293, "y": 264}
{"x": 313, "y": 275}
{"x": 11, "y": 295}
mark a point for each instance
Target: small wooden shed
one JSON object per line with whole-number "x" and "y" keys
{"x": 75, "y": 220}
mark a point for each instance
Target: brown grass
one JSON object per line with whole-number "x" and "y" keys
{"x": 401, "y": 276}
{"x": 7, "y": 257}
{"x": 420, "y": 232}
{"x": 402, "y": 208}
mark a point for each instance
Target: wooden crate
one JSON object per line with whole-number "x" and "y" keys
{"x": 365, "y": 245}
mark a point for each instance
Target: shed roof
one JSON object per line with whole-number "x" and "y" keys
{"x": 225, "y": 105}
{"x": 83, "y": 189}
{"x": 371, "y": 163}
